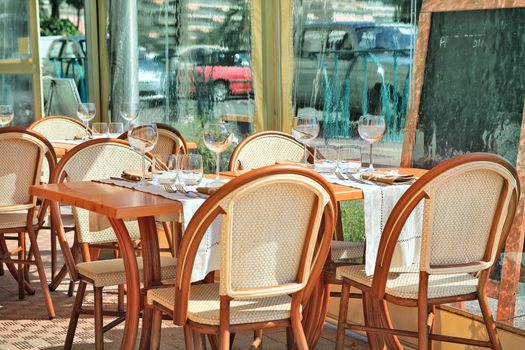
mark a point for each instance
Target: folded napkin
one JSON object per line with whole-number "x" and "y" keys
{"x": 207, "y": 190}
{"x": 134, "y": 174}
{"x": 388, "y": 177}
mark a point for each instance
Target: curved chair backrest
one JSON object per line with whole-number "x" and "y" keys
{"x": 263, "y": 255}
{"x": 469, "y": 204}
{"x": 92, "y": 160}
{"x": 59, "y": 128}
{"x": 21, "y": 154}
{"x": 170, "y": 141}
{"x": 266, "y": 148}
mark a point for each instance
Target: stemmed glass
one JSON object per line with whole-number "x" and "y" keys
{"x": 371, "y": 128}
{"x": 143, "y": 138}
{"x": 6, "y": 115}
{"x": 86, "y": 112}
{"x": 129, "y": 111}
{"x": 217, "y": 138}
{"x": 305, "y": 129}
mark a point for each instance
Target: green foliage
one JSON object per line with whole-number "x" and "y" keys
{"x": 56, "y": 26}
{"x": 353, "y": 217}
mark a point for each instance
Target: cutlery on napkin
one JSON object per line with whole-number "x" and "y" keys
{"x": 390, "y": 177}
{"x": 134, "y": 174}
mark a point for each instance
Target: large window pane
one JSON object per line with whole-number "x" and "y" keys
{"x": 14, "y": 29}
{"x": 17, "y": 90}
{"x": 354, "y": 58}
{"x": 194, "y": 64}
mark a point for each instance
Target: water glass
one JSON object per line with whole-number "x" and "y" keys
{"x": 325, "y": 159}
{"x": 99, "y": 130}
{"x": 350, "y": 159}
{"x": 190, "y": 169}
{"x": 164, "y": 168}
{"x": 6, "y": 115}
{"x": 115, "y": 129}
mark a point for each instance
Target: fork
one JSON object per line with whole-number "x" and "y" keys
{"x": 365, "y": 182}
{"x": 189, "y": 194}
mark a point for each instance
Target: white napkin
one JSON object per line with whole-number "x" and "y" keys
{"x": 378, "y": 204}
{"x": 208, "y": 254}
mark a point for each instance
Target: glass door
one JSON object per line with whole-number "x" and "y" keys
{"x": 20, "y": 84}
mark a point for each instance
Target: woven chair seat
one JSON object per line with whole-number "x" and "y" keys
{"x": 204, "y": 305}
{"x": 111, "y": 272}
{"x": 15, "y": 219}
{"x": 342, "y": 250}
{"x": 404, "y": 282}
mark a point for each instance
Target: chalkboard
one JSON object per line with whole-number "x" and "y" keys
{"x": 473, "y": 92}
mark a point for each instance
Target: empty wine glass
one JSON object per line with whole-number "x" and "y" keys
{"x": 129, "y": 111}
{"x": 6, "y": 115}
{"x": 143, "y": 138}
{"x": 305, "y": 129}
{"x": 217, "y": 138}
{"x": 371, "y": 128}
{"x": 86, "y": 112}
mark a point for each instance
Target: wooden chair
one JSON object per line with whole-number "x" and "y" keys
{"x": 170, "y": 141}
{"x": 470, "y": 202}
{"x": 22, "y": 153}
{"x": 267, "y": 148}
{"x": 59, "y": 128}
{"x": 99, "y": 159}
{"x": 266, "y": 261}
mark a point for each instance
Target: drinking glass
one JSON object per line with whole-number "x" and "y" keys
{"x": 86, "y": 112}
{"x": 217, "y": 138}
{"x": 164, "y": 168}
{"x": 350, "y": 159}
{"x": 305, "y": 129}
{"x": 6, "y": 115}
{"x": 99, "y": 130}
{"x": 325, "y": 159}
{"x": 190, "y": 169}
{"x": 115, "y": 129}
{"x": 371, "y": 128}
{"x": 129, "y": 111}
{"x": 143, "y": 138}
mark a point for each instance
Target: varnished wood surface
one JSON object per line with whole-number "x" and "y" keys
{"x": 468, "y": 5}
{"x": 62, "y": 148}
{"x": 112, "y": 201}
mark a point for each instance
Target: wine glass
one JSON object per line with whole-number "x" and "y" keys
{"x": 86, "y": 112}
{"x": 190, "y": 169}
{"x": 115, "y": 129}
{"x": 6, "y": 115}
{"x": 217, "y": 138}
{"x": 129, "y": 111}
{"x": 305, "y": 129}
{"x": 143, "y": 138}
{"x": 371, "y": 128}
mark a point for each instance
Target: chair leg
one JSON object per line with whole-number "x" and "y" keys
{"x": 1, "y": 268}
{"x": 54, "y": 257}
{"x": 422, "y": 311}
{"x": 75, "y": 313}
{"x": 343, "y": 311}
{"x": 489, "y": 322}
{"x": 21, "y": 266}
{"x": 290, "y": 341}
{"x": 146, "y": 341}
{"x": 188, "y": 338}
{"x": 197, "y": 340}
{"x": 156, "y": 328}
{"x": 258, "y": 337}
{"x": 224, "y": 323}
{"x": 11, "y": 267}
{"x": 41, "y": 273}
{"x": 99, "y": 320}
{"x": 432, "y": 310}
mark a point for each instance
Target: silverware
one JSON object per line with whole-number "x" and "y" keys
{"x": 341, "y": 176}
{"x": 169, "y": 189}
{"x": 365, "y": 182}
{"x": 189, "y": 194}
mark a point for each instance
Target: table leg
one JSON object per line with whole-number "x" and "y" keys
{"x": 133, "y": 284}
{"x": 151, "y": 267}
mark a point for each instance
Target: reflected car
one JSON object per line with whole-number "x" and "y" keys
{"x": 207, "y": 69}
{"x": 321, "y": 45}
{"x": 66, "y": 59}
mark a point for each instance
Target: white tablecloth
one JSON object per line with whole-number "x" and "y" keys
{"x": 378, "y": 204}
{"x": 208, "y": 254}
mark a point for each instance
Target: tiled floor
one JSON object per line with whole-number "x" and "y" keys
{"x": 24, "y": 323}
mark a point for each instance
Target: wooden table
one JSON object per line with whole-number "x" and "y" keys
{"x": 119, "y": 203}
{"x": 61, "y": 148}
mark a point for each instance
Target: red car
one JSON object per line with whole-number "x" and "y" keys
{"x": 216, "y": 71}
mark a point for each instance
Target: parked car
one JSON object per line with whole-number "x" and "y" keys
{"x": 341, "y": 48}
{"x": 66, "y": 58}
{"x": 212, "y": 70}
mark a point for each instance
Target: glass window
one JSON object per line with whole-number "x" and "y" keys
{"x": 17, "y": 90}
{"x": 54, "y": 49}
{"x": 194, "y": 64}
{"x": 14, "y": 30}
